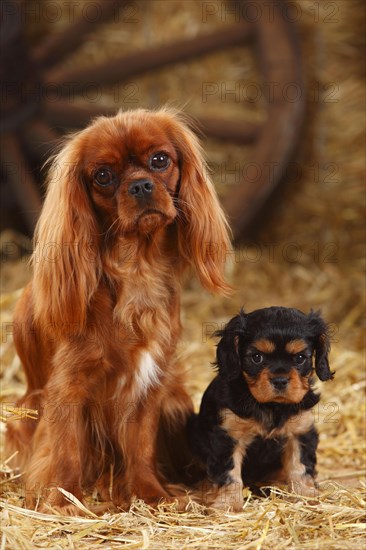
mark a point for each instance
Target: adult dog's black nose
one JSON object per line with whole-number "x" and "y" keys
{"x": 141, "y": 189}
{"x": 279, "y": 383}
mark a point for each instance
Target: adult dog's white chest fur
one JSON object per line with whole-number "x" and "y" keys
{"x": 147, "y": 373}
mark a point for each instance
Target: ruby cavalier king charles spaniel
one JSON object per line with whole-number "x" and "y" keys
{"x": 129, "y": 207}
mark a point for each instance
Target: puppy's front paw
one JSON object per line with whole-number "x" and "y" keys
{"x": 229, "y": 497}
{"x": 304, "y": 486}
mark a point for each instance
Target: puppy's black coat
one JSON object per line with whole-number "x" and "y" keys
{"x": 255, "y": 423}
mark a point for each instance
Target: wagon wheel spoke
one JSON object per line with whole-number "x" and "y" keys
{"x": 40, "y": 139}
{"x": 115, "y": 70}
{"x": 56, "y": 47}
{"x": 64, "y": 115}
{"x": 18, "y": 173}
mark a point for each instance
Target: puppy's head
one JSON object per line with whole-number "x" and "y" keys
{"x": 273, "y": 349}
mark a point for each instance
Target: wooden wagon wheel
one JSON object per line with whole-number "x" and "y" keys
{"x": 266, "y": 24}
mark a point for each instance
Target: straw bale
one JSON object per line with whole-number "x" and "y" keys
{"x": 305, "y": 251}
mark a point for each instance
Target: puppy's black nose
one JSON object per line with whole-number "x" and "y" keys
{"x": 141, "y": 189}
{"x": 279, "y": 383}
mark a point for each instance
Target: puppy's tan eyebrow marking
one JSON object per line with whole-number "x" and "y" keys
{"x": 264, "y": 345}
{"x": 295, "y": 346}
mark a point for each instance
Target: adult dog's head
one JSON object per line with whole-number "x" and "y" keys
{"x": 138, "y": 178}
{"x": 273, "y": 349}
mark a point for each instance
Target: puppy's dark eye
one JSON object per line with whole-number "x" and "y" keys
{"x": 104, "y": 177}
{"x": 300, "y": 359}
{"x": 257, "y": 358}
{"x": 159, "y": 161}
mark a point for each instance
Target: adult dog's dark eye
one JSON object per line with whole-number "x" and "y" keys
{"x": 300, "y": 359}
{"x": 159, "y": 162}
{"x": 257, "y": 358}
{"x": 104, "y": 177}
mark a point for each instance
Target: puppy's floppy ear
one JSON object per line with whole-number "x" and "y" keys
{"x": 320, "y": 335}
{"x": 228, "y": 357}
{"x": 203, "y": 231}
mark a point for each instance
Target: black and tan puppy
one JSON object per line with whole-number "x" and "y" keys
{"x": 256, "y": 424}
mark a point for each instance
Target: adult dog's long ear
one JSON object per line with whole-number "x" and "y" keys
{"x": 203, "y": 231}
{"x": 320, "y": 335}
{"x": 66, "y": 260}
{"x": 228, "y": 355}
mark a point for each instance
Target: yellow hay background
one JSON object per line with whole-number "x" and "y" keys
{"x": 305, "y": 251}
